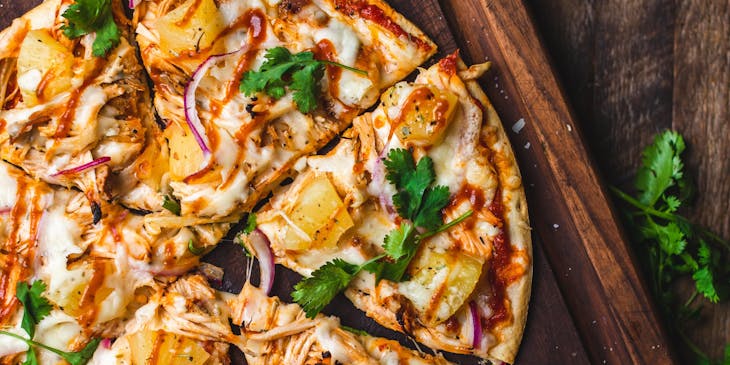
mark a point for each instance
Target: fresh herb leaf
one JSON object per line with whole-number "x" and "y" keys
{"x": 429, "y": 215}
{"x": 197, "y": 251}
{"x": 662, "y": 167}
{"x": 73, "y": 358}
{"x": 316, "y": 291}
{"x": 282, "y": 69}
{"x": 670, "y": 245}
{"x": 250, "y": 224}
{"x": 92, "y": 16}
{"x": 171, "y": 205}
{"x": 30, "y": 357}
{"x": 399, "y": 242}
{"x": 35, "y": 306}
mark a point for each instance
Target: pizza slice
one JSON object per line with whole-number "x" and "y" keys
{"x": 246, "y": 88}
{"x": 74, "y": 103}
{"x": 419, "y": 213}
{"x": 93, "y": 275}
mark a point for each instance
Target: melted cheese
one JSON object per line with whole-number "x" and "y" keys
{"x": 9, "y": 188}
{"x": 57, "y": 330}
{"x": 57, "y": 238}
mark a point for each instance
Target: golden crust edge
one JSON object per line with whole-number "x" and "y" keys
{"x": 518, "y": 222}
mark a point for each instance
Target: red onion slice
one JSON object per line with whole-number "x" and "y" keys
{"x": 86, "y": 166}
{"x": 106, "y": 343}
{"x": 476, "y": 324}
{"x": 191, "y": 112}
{"x": 133, "y": 3}
{"x": 5, "y": 210}
{"x": 262, "y": 247}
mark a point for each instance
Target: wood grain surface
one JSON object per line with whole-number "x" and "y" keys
{"x": 632, "y": 68}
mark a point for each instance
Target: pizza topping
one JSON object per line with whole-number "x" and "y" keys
{"x": 92, "y": 16}
{"x": 315, "y": 292}
{"x": 75, "y": 170}
{"x": 44, "y": 67}
{"x": 423, "y": 116}
{"x": 36, "y": 307}
{"x": 193, "y": 26}
{"x": 300, "y": 72}
{"x": 476, "y": 323}
{"x": 416, "y": 201}
{"x": 262, "y": 249}
{"x": 191, "y": 109}
{"x": 171, "y": 205}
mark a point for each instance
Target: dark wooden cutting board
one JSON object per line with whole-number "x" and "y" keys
{"x": 588, "y": 302}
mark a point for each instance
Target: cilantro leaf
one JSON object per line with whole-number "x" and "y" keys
{"x": 662, "y": 167}
{"x": 301, "y": 72}
{"x": 35, "y": 306}
{"x": 429, "y": 215}
{"x": 92, "y": 16}
{"x": 250, "y": 224}
{"x": 671, "y": 239}
{"x": 30, "y": 357}
{"x": 316, "y": 291}
{"x": 397, "y": 242}
{"x": 305, "y": 86}
{"x": 704, "y": 282}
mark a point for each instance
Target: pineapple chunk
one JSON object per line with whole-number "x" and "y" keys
{"x": 185, "y": 29}
{"x": 319, "y": 215}
{"x": 424, "y": 114}
{"x": 185, "y": 154}
{"x": 158, "y": 347}
{"x": 45, "y": 67}
{"x": 440, "y": 283}
{"x": 69, "y": 295}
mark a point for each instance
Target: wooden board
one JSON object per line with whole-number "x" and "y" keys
{"x": 588, "y": 302}
{"x": 633, "y": 68}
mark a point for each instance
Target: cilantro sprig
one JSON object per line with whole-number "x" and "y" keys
{"x": 418, "y": 202}
{"x": 36, "y": 307}
{"x": 299, "y": 72}
{"x": 670, "y": 246}
{"x": 92, "y": 16}
{"x": 73, "y": 358}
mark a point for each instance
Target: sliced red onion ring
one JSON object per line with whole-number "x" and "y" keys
{"x": 133, "y": 3}
{"x": 191, "y": 111}
{"x": 86, "y": 166}
{"x": 5, "y": 210}
{"x": 261, "y": 244}
{"x": 476, "y": 324}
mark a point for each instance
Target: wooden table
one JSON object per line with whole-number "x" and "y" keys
{"x": 632, "y": 68}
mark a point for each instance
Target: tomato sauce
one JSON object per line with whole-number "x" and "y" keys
{"x": 376, "y": 15}
{"x": 325, "y": 51}
{"x": 501, "y": 258}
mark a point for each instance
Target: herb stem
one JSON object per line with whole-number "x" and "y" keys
{"x": 355, "y": 70}
{"x": 668, "y": 216}
{"x": 33, "y": 343}
{"x": 446, "y": 226}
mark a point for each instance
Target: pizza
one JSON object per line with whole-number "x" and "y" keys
{"x": 134, "y": 137}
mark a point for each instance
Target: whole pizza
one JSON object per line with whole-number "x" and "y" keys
{"x": 135, "y": 136}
